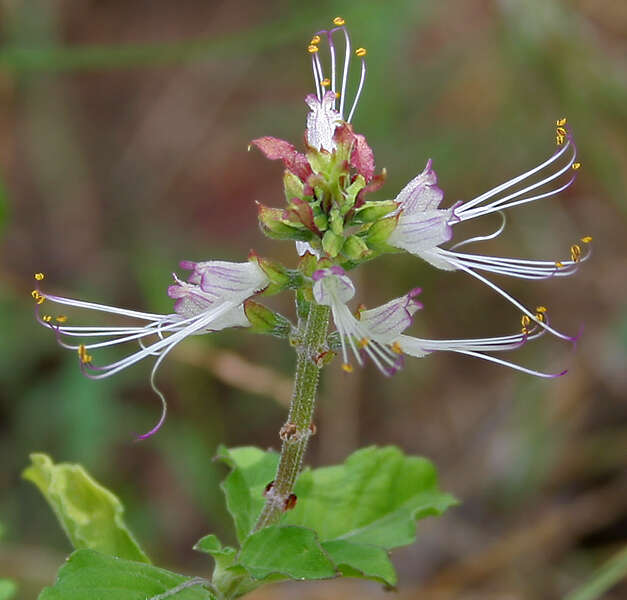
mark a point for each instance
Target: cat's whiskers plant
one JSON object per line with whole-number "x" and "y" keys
{"x": 336, "y": 228}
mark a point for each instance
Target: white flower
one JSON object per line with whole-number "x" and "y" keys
{"x": 377, "y": 333}
{"x": 325, "y": 115}
{"x": 211, "y": 300}
{"x": 422, "y": 227}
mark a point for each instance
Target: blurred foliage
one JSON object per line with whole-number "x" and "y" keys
{"x": 123, "y": 135}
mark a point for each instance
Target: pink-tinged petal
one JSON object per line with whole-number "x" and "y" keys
{"x": 421, "y": 193}
{"x": 385, "y": 323}
{"x": 275, "y": 149}
{"x": 362, "y": 156}
{"x": 332, "y": 286}
{"x": 322, "y": 121}
{"x": 228, "y": 280}
{"x": 421, "y": 232}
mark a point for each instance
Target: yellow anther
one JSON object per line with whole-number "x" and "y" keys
{"x": 575, "y": 252}
{"x": 524, "y": 331}
{"x": 540, "y": 317}
{"x": 559, "y": 264}
{"x": 347, "y": 368}
{"x": 338, "y": 21}
{"x": 561, "y": 122}
{"x": 46, "y": 318}
{"x": 39, "y": 276}
{"x": 559, "y": 139}
{"x": 576, "y": 165}
{"x": 396, "y": 347}
{"x": 561, "y": 131}
{"x": 337, "y": 94}
{"x": 586, "y": 239}
{"x": 315, "y": 40}
{"x": 361, "y": 52}
{"x": 326, "y": 82}
{"x": 525, "y": 321}
{"x": 541, "y": 309}
{"x": 312, "y": 48}
{"x": 61, "y": 319}
{"x": 37, "y": 296}
{"x": 82, "y": 354}
{"x": 363, "y": 342}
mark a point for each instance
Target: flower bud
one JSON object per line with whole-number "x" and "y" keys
{"x": 378, "y": 234}
{"x": 276, "y": 224}
{"x": 356, "y": 249}
{"x": 264, "y": 320}
{"x": 280, "y": 277}
{"x": 332, "y": 243}
{"x": 370, "y": 212}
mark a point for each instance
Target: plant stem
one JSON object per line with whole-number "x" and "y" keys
{"x": 298, "y": 428}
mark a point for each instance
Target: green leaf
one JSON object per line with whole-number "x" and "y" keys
{"x": 8, "y": 589}
{"x": 210, "y": 544}
{"x": 360, "y": 560}
{"x": 91, "y": 516}
{"x": 353, "y": 513}
{"x": 89, "y": 574}
{"x": 291, "y": 551}
{"x": 252, "y": 470}
{"x": 608, "y": 575}
{"x": 374, "y": 498}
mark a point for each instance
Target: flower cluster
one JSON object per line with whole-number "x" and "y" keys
{"x": 336, "y": 228}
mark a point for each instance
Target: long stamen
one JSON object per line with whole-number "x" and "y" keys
{"x": 200, "y": 322}
{"x": 511, "y": 365}
{"x": 347, "y": 57}
{"x": 499, "y": 188}
{"x": 513, "y": 301}
{"x": 361, "y": 52}
{"x": 506, "y": 202}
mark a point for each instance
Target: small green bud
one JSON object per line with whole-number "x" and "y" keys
{"x": 276, "y": 224}
{"x": 351, "y": 193}
{"x": 332, "y": 243}
{"x": 355, "y": 248}
{"x": 321, "y": 162}
{"x": 321, "y": 221}
{"x": 370, "y": 212}
{"x": 280, "y": 277}
{"x": 304, "y": 298}
{"x": 378, "y": 233}
{"x": 292, "y": 185}
{"x": 336, "y": 221}
{"x": 307, "y": 264}
{"x": 264, "y": 320}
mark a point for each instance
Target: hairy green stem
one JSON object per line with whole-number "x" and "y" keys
{"x": 298, "y": 428}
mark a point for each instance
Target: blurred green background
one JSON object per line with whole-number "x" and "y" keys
{"x": 123, "y": 149}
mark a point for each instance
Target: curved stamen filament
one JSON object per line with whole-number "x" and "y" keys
{"x": 481, "y": 238}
